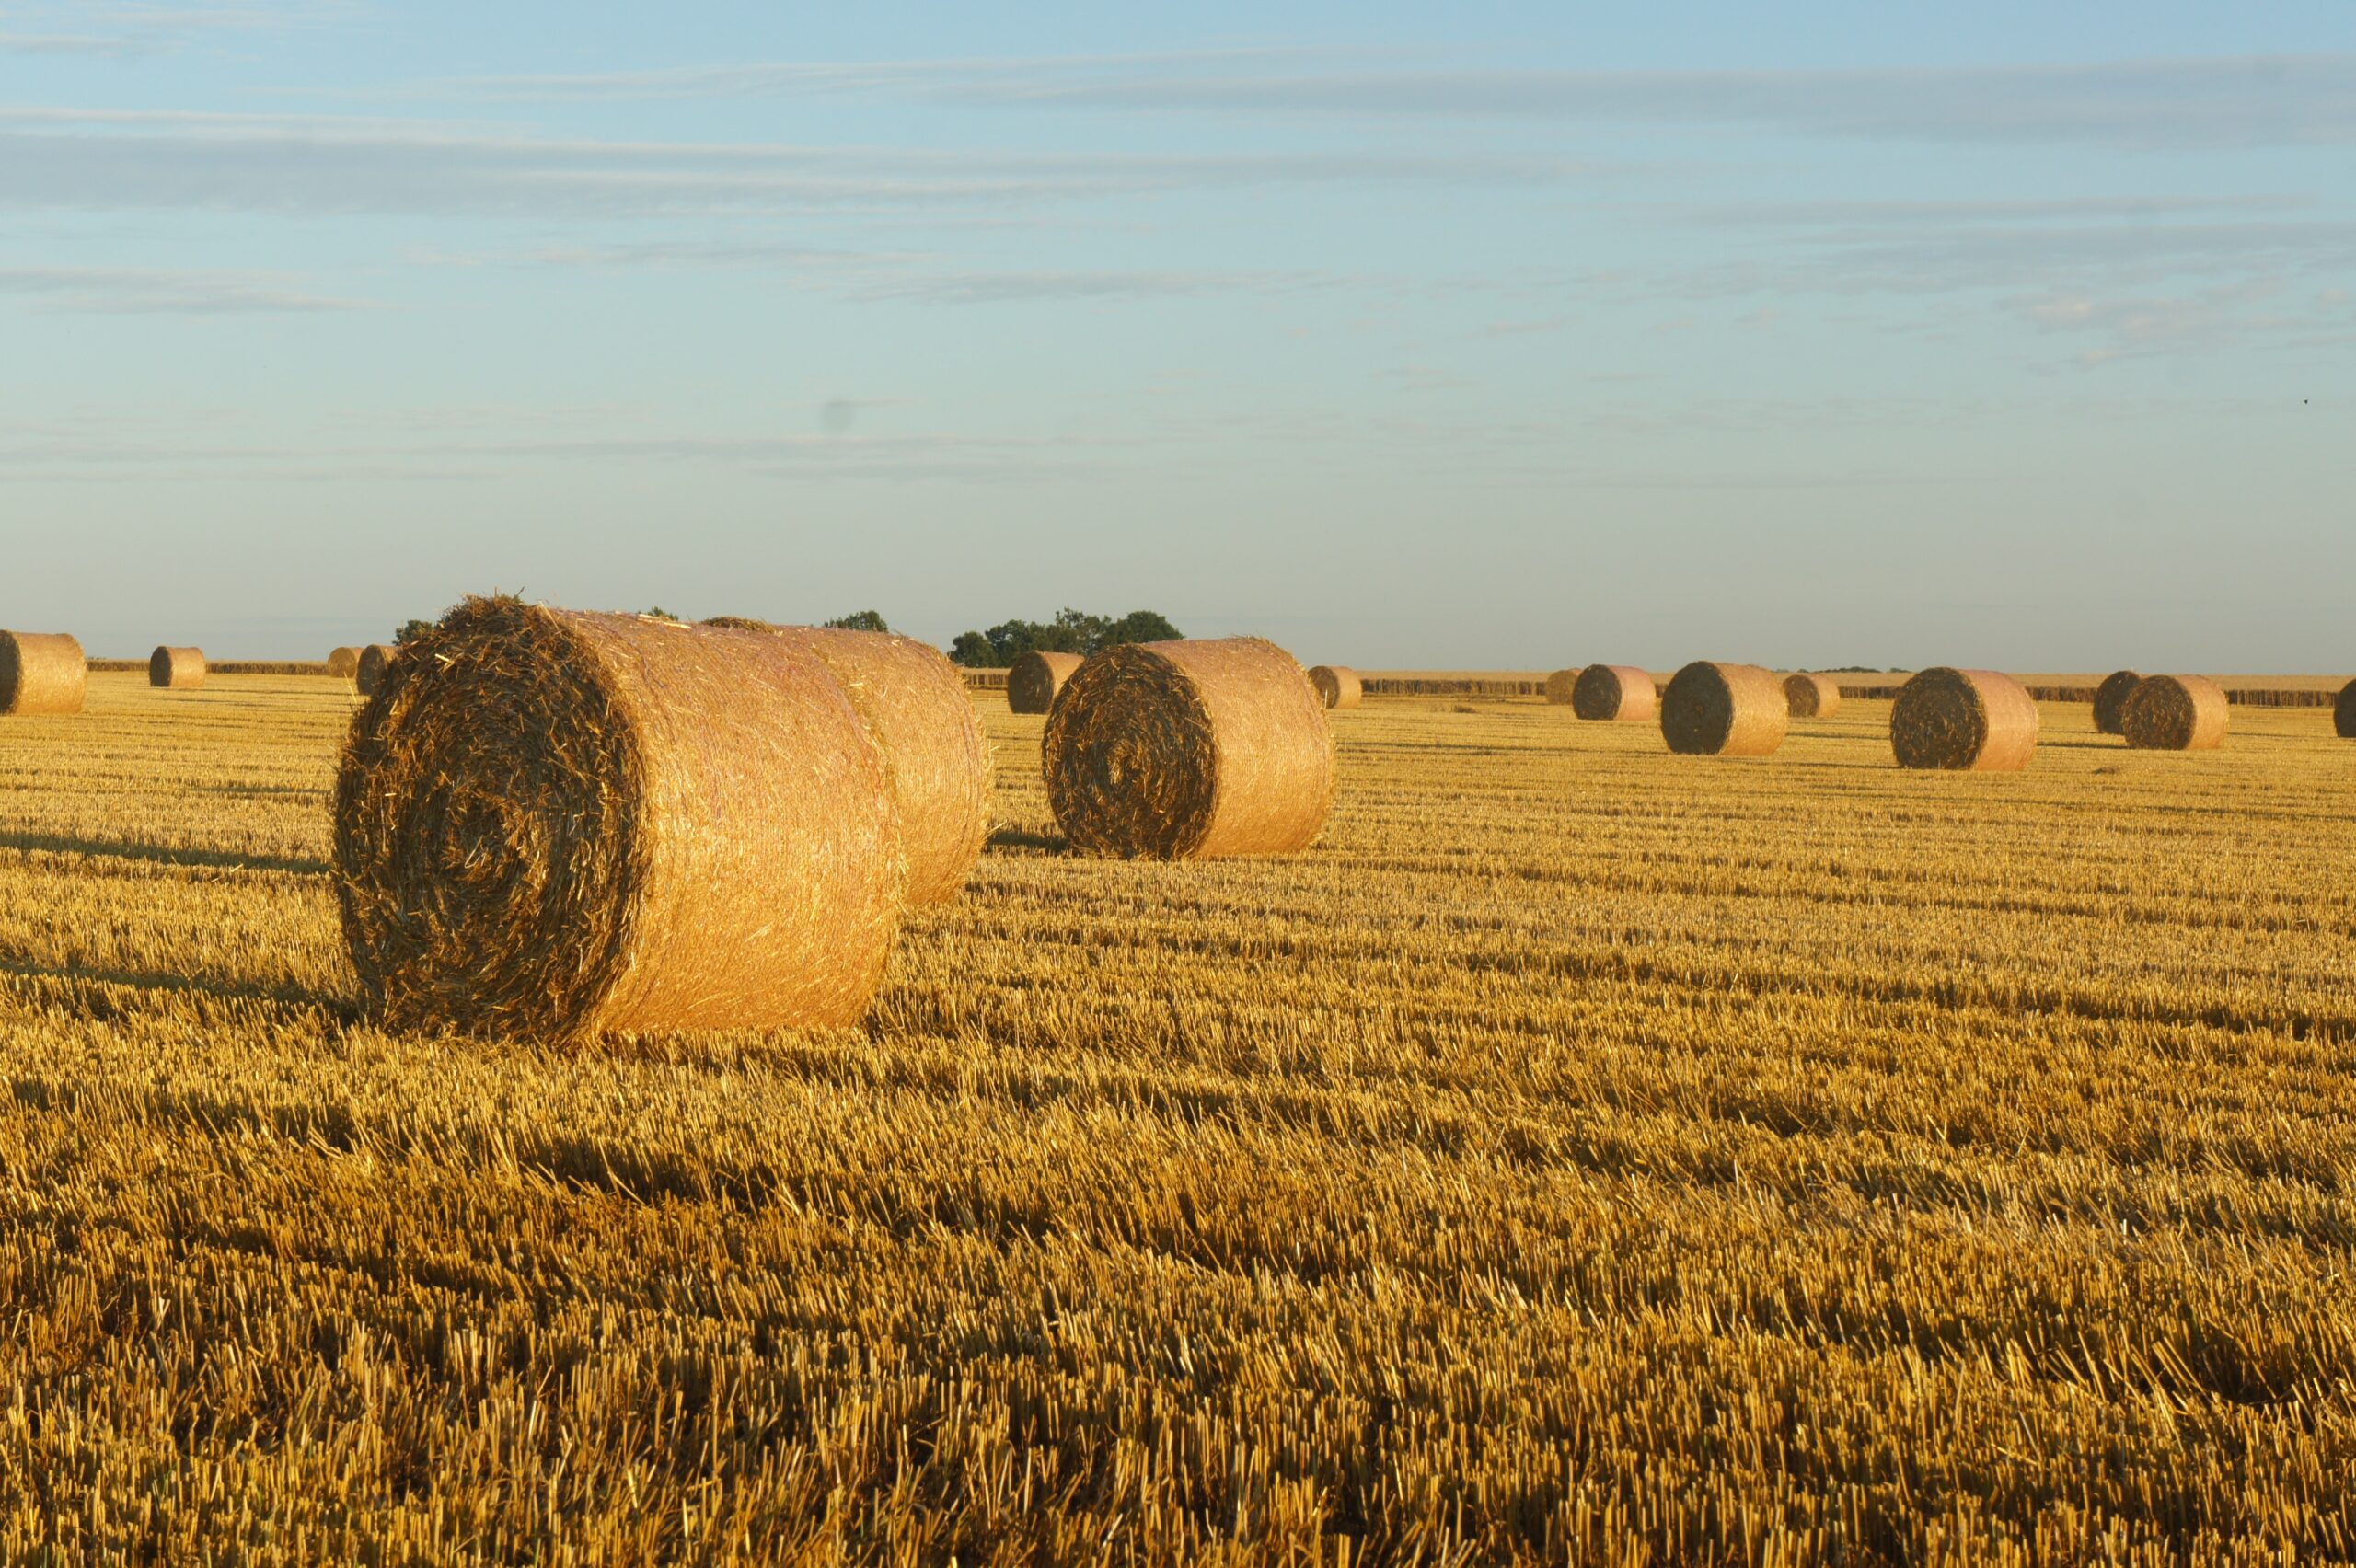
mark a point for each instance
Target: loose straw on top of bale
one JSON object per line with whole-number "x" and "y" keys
{"x": 176, "y": 669}
{"x": 1616, "y": 692}
{"x": 914, "y": 704}
{"x": 1033, "y": 680}
{"x": 375, "y": 660}
{"x": 42, "y": 672}
{"x": 1976, "y": 721}
{"x": 344, "y": 664}
{"x": 2343, "y": 713}
{"x": 2110, "y": 700}
{"x": 1190, "y": 749}
{"x": 1562, "y": 687}
{"x": 1724, "y": 710}
{"x": 553, "y": 825}
{"x": 2175, "y": 713}
{"x": 1812, "y": 695}
{"x": 1338, "y": 685}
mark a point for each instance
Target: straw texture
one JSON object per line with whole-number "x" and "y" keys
{"x": 42, "y": 672}
{"x": 1562, "y": 687}
{"x": 375, "y": 660}
{"x": 1338, "y": 685}
{"x": 558, "y": 826}
{"x": 2343, "y": 713}
{"x": 1724, "y": 710}
{"x": 344, "y": 664}
{"x": 2175, "y": 713}
{"x": 2110, "y": 700}
{"x": 1188, "y": 749}
{"x": 177, "y": 669}
{"x": 1033, "y": 680}
{"x": 1812, "y": 695}
{"x": 1619, "y": 692}
{"x": 1966, "y": 720}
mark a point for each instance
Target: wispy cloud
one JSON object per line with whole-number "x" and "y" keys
{"x": 134, "y": 291}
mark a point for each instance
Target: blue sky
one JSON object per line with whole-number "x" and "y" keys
{"x": 1510, "y": 337}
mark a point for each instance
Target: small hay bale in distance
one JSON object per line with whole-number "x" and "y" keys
{"x": 2110, "y": 700}
{"x": 1562, "y": 687}
{"x": 1812, "y": 695}
{"x": 1724, "y": 710}
{"x": 2175, "y": 713}
{"x": 555, "y": 826}
{"x": 344, "y": 664}
{"x": 2343, "y": 713}
{"x": 1618, "y": 692}
{"x": 1338, "y": 685}
{"x": 42, "y": 672}
{"x": 1964, "y": 720}
{"x": 176, "y": 669}
{"x": 922, "y": 723}
{"x": 1033, "y": 681}
{"x": 374, "y": 661}
{"x": 1189, "y": 750}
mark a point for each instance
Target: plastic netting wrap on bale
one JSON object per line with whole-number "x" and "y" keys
{"x": 2110, "y": 700}
{"x": 1616, "y": 692}
{"x": 176, "y": 669}
{"x": 1338, "y": 685}
{"x": 555, "y": 826}
{"x": 1187, "y": 750}
{"x": 368, "y": 672}
{"x": 1724, "y": 710}
{"x": 1975, "y": 721}
{"x": 1562, "y": 687}
{"x": 2175, "y": 713}
{"x": 916, "y": 712}
{"x": 1033, "y": 680}
{"x": 344, "y": 664}
{"x": 42, "y": 672}
{"x": 1812, "y": 695}
{"x": 2343, "y": 713}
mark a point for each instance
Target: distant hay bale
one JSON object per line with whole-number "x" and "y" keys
{"x": 1033, "y": 681}
{"x": 2175, "y": 713}
{"x": 375, "y": 660}
{"x": 344, "y": 664}
{"x": 2343, "y": 713}
{"x": 1619, "y": 692}
{"x": 1338, "y": 685}
{"x": 1971, "y": 721}
{"x": 42, "y": 672}
{"x": 1724, "y": 710}
{"x": 913, "y": 702}
{"x": 1812, "y": 695}
{"x": 2110, "y": 700}
{"x": 554, "y": 825}
{"x": 176, "y": 669}
{"x": 1188, "y": 749}
{"x": 1562, "y": 687}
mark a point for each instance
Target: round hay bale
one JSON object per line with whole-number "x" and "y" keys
{"x": 1033, "y": 680}
{"x": 1972, "y": 721}
{"x": 913, "y": 702}
{"x": 2343, "y": 713}
{"x": 176, "y": 669}
{"x": 2110, "y": 700}
{"x": 42, "y": 672}
{"x": 375, "y": 660}
{"x": 1338, "y": 685}
{"x": 553, "y": 825}
{"x": 344, "y": 664}
{"x": 2175, "y": 713}
{"x": 1724, "y": 710}
{"x": 1187, "y": 750}
{"x": 1562, "y": 687}
{"x": 1812, "y": 695}
{"x": 1615, "y": 692}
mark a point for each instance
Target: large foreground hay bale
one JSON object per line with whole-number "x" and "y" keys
{"x": 344, "y": 664}
{"x": 1186, "y": 750}
{"x": 1033, "y": 680}
{"x": 2175, "y": 713}
{"x": 914, "y": 704}
{"x": 1812, "y": 695}
{"x": 176, "y": 669}
{"x": 1562, "y": 687}
{"x": 375, "y": 660}
{"x": 42, "y": 672}
{"x": 1338, "y": 685}
{"x": 1619, "y": 692}
{"x": 1975, "y": 721}
{"x": 553, "y": 825}
{"x": 2343, "y": 713}
{"x": 2110, "y": 700}
{"x": 1724, "y": 710}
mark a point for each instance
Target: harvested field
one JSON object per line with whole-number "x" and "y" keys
{"x": 1576, "y": 1155}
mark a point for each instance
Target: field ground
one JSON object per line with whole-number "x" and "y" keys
{"x": 1583, "y": 1154}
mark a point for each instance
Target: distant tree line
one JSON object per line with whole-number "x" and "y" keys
{"x": 1072, "y": 631}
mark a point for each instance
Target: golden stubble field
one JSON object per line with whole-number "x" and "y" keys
{"x": 1584, "y": 1154}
